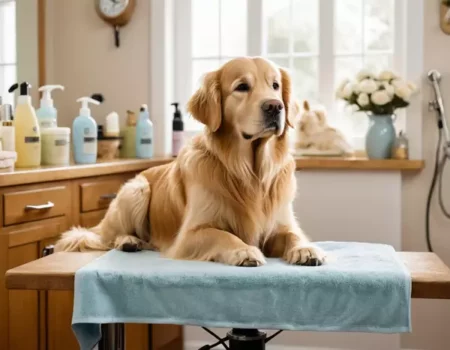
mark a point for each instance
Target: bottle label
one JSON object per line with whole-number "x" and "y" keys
{"x": 61, "y": 142}
{"x": 47, "y": 124}
{"x": 31, "y": 139}
{"x": 146, "y": 141}
{"x": 90, "y": 145}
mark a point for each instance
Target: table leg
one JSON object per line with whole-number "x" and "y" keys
{"x": 113, "y": 337}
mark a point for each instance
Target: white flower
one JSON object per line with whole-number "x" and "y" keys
{"x": 398, "y": 83}
{"x": 381, "y": 98}
{"x": 340, "y": 89}
{"x": 363, "y": 99}
{"x": 388, "y": 88}
{"x": 387, "y": 75}
{"x": 404, "y": 92}
{"x": 355, "y": 88}
{"x": 368, "y": 86}
{"x": 347, "y": 91}
{"x": 364, "y": 74}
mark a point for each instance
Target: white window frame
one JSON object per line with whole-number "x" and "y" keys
{"x": 2, "y": 45}
{"x": 408, "y": 61}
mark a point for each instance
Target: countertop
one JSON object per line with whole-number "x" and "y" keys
{"x": 55, "y": 173}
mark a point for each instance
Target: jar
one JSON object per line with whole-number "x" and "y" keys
{"x": 401, "y": 148}
{"x": 55, "y": 146}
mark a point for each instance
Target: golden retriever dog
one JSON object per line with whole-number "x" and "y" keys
{"x": 313, "y": 132}
{"x": 228, "y": 196}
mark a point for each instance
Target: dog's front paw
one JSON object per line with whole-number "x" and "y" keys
{"x": 308, "y": 255}
{"x": 248, "y": 257}
{"x": 129, "y": 244}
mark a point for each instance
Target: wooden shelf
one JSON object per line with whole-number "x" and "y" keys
{"x": 52, "y": 173}
{"x": 356, "y": 163}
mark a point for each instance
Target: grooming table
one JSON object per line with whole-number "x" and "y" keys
{"x": 430, "y": 280}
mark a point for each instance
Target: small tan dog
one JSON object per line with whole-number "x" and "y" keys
{"x": 228, "y": 196}
{"x": 314, "y": 133}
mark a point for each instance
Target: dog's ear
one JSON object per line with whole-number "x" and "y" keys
{"x": 290, "y": 104}
{"x": 206, "y": 103}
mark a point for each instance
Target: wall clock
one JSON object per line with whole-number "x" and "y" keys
{"x": 116, "y": 13}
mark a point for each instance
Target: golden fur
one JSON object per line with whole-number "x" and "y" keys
{"x": 313, "y": 132}
{"x": 226, "y": 198}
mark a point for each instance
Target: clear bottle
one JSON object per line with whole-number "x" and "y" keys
{"x": 144, "y": 134}
{"x": 47, "y": 114}
{"x": 128, "y": 147}
{"x": 26, "y": 127}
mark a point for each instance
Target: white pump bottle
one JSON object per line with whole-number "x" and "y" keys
{"x": 47, "y": 114}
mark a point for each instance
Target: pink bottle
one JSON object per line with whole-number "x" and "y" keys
{"x": 177, "y": 131}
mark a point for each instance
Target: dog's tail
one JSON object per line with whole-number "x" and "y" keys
{"x": 127, "y": 215}
{"x": 79, "y": 239}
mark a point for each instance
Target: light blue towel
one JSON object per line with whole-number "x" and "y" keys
{"x": 365, "y": 288}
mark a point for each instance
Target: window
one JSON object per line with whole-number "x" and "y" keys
{"x": 321, "y": 42}
{"x": 7, "y": 48}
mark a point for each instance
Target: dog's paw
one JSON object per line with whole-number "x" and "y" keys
{"x": 247, "y": 257}
{"x": 129, "y": 244}
{"x": 308, "y": 255}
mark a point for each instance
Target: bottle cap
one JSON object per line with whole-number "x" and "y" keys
{"x": 131, "y": 118}
{"x": 46, "y": 100}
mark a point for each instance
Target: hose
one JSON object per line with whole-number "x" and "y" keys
{"x": 439, "y": 167}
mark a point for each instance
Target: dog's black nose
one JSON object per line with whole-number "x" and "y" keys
{"x": 272, "y": 108}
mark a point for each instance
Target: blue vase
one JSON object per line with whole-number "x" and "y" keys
{"x": 380, "y": 137}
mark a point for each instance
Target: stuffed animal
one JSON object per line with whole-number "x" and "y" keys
{"x": 314, "y": 135}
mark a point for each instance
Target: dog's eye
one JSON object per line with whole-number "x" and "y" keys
{"x": 243, "y": 87}
{"x": 275, "y": 86}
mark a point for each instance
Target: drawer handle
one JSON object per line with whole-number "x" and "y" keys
{"x": 48, "y": 205}
{"x": 108, "y": 196}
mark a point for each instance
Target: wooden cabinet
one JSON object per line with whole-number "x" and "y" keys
{"x": 32, "y": 216}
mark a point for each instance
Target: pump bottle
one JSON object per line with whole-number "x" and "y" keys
{"x": 47, "y": 114}
{"x": 27, "y": 133}
{"x": 177, "y": 131}
{"x": 84, "y": 134}
{"x": 144, "y": 134}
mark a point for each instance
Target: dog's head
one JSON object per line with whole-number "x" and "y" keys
{"x": 312, "y": 120}
{"x": 248, "y": 96}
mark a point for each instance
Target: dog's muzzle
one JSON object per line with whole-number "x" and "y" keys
{"x": 272, "y": 113}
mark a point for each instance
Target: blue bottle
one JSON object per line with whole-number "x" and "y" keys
{"x": 144, "y": 134}
{"x": 84, "y": 134}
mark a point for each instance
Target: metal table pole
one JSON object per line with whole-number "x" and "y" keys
{"x": 113, "y": 337}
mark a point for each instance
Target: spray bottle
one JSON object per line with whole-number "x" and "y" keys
{"x": 144, "y": 134}
{"x": 84, "y": 134}
{"x": 26, "y": 126}
{"x": 47, "y": 114}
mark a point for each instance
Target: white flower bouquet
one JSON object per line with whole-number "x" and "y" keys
{"x": 375, "y": 94}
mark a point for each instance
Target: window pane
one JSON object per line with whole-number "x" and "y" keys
{"x": 379, "y": 24}
{"x": 277, "y": 22}
{"x": 349, "y": 26}
{"x": 200, "y": 68}
{"x": 8, "y": 32}
{"x": 378, "y": 63}
{"x": 281, "y": 62}
{"x": 233, "y": 27}
{"x": 305, "y": 78}
{"x": 306, "y": 25}
{"x": 346, "y": 68}
{"x": 205, "y": 28}
{"x": 7, "y": 78}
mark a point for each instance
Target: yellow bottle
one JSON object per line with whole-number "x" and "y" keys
{"x": 27, "y": 134}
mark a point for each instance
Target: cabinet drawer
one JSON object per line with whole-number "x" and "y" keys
{"x": 36, "y": 204}
{"x": 98, "y": 195}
